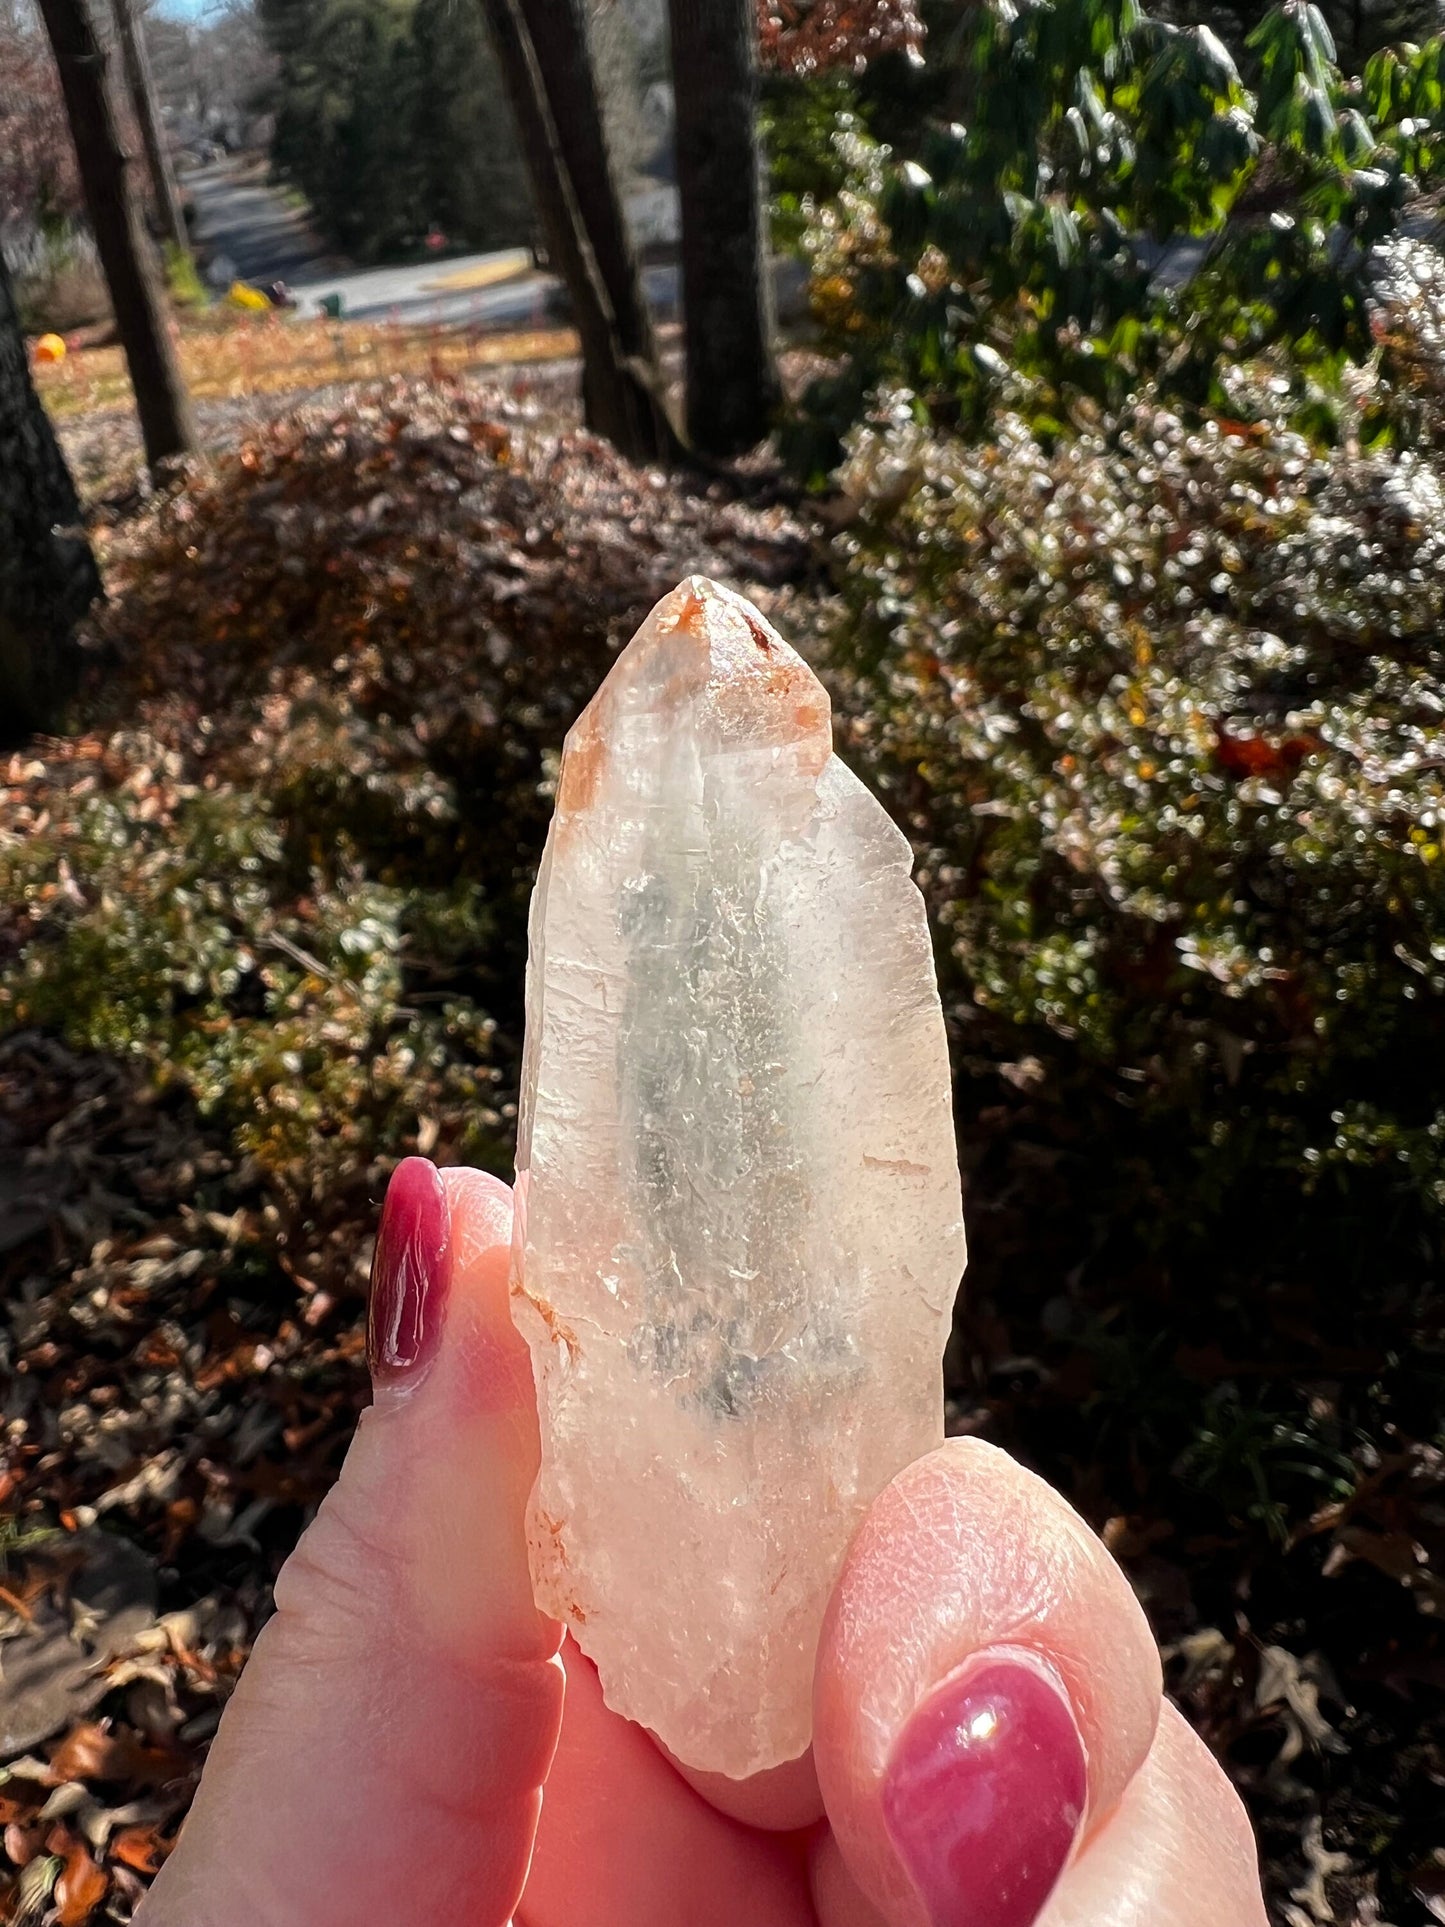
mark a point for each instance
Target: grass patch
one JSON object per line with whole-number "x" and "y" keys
{"x": 226, "y": 356}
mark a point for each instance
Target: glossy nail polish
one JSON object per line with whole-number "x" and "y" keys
{"x": 410, "y": 1274}
{"x": 985, "y": 1793}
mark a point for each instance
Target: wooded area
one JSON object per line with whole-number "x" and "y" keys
{"x": 112, "y": 201}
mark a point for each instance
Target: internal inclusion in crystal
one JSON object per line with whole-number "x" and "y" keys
{"x": 718, "y": 1329}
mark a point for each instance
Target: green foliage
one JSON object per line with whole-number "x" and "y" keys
{"x": 1358, "y": 28}
{"x": 185, "y": 285}
{"x": 895, "y": 99}
{"x": 473, "y": 176}
{"x": 293, "y": 881}
{"x": 1118, "y": 209}
{"x": 800, "y": 122}
{"x": 241, "y": 946}
{"x": 1263, "y": 1466}
{"x": 1161, "y": 708}
{"x": 391, "y": 117}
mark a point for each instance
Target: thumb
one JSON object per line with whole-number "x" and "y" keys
{"x": 383, "y": 1755}
{"x": 987, "y": 1725}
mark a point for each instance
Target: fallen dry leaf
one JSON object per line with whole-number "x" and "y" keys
{"x": 80, "y": 1888}
{"x": 139, "y": 1848}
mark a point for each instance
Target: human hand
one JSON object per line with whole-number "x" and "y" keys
{"x": 991, "y": 1747}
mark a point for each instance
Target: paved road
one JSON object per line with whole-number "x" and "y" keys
{"x": 240, "y": 216}
{"x": 252, "y": 224}
{"x": 471, "y": 288}
{"x": 504, "y": 293}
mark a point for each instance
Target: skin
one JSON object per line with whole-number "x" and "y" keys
{"x": 384, "y": 1755}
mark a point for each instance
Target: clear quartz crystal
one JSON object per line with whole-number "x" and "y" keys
{"x": 739, "y": 1231}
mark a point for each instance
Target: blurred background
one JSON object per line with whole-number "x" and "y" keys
{"x": 1067, "y": 381}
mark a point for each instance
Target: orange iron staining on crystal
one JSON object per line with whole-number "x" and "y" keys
{"x": 738, "y": 1234}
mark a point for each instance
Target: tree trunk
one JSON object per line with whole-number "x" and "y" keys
{"x": 621, "y": 386}
{"x": 727, "y": 297}
{"x": 558, "y": 30}
{"x": 131, "y": 34}
{"x": 48, "y": 576}
{"x": 115, "y": 218}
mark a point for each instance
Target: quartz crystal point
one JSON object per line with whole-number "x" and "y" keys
{"x": 739, "y": 1232}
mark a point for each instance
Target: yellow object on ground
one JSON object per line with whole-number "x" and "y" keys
{"x": 245, "y": 296}
{"x": 50, "y": 348}
{"x": 501, "y": 267}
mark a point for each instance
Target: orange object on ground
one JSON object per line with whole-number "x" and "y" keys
{"x": 50, "y": 348}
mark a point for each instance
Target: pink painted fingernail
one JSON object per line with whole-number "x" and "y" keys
{"x": 410, "y": 1273}
{"x": 985, "y": 1793}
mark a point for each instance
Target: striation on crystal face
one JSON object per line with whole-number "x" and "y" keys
{"x": 738, "y": 1230}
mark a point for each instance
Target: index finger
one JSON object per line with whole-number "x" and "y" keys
{"x": 383, "y": 1755}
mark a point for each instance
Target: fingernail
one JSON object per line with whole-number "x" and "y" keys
{"x": 410, "y": 1273}
{"x": 985, "y": 1792}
